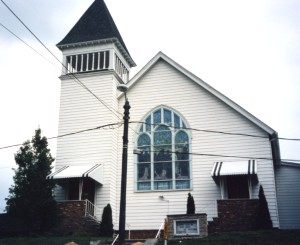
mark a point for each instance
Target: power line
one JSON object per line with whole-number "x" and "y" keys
{"x": 29, "y": 29}
{"x": 76, "y": 79}
{"x": 107, "y": 106}
{"x": 188, "y": 153}
{"x": 79, "y": 82}
{"x": 72, "y": 133}
{"x": 11, "y": 32}
{"x": 215, "y": 131}
{"x": 117, "y": 113}
{"x": 220, "y": 155}
{"x": 86, "y": 130}
{"x": 120, "y": 123}
{"x": 292, "y": 139}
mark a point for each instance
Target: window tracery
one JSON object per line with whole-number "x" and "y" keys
{"x": 164, "y": 159}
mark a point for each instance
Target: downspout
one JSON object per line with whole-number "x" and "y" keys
{"x": 275, "y": 149}
{"x": 276, "y": 163}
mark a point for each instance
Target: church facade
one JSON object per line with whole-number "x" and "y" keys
{"x": 184, "y": 136}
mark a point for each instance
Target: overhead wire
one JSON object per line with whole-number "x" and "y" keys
{"x": 216, "y": 131}
{"x": 120, "y": 123}
{"x": 221, "y": 155}
{"x": 75, "y": 78}
{"x": 188, "y": 153}
{"x": 72, "y": 133}
{"x": 107, "y": 106}
{"x": 11, "y": 32}
{"x": 72, "y": 74}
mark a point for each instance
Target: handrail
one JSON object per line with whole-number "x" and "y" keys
{"x": 160, "y": 228}
{"x": 90, "y": 208}
{"x": 117, "y": 236}
{"x": 128, "y": 225}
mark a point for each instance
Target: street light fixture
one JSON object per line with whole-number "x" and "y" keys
{"x": 122, "y": 217}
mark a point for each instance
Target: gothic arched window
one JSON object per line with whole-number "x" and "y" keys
{"x": 163, "y": 162}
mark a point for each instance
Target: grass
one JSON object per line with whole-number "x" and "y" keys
{"x": 270, "y": 237}
{"x": 44, "y": 240}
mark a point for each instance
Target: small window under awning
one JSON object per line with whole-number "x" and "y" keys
{"x": 94, "y": 172}
{"x": 248, "y": 167}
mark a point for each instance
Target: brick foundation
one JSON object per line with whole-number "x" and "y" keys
{"x": 72, "y": 220}
{"x": 235, "y": 215}
{"x": 142, "y": 234}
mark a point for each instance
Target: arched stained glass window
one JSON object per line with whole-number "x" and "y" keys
{"x": 164, "y": 159}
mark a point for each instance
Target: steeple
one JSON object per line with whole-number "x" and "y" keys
{"x": 96, "y": 28}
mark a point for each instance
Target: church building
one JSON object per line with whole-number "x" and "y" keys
{"x": 184, "y": 136}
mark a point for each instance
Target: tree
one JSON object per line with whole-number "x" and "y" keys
{"x": 190, "y": 207}
{"x": 30, "y": 198}
{"x": 263, "y": 218}
{"x": 106, "y": 225}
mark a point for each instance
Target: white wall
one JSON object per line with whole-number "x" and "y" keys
{"x": 80, "y": 110}
{"x": 163, "y": 85}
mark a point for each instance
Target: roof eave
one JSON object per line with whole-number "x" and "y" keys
{"x": 203, "y": 84}
{"x": 100, "y": 41}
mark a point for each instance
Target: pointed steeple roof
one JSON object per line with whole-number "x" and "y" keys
{"x": 94, "y": 25}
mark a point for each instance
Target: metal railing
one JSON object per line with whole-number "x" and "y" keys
{"x": 159, "y": 230}
{"x": 90, "y": 209}
{"x": 116, "y": 238}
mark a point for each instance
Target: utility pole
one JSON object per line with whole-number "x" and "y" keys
{"x": 122, "y": 217}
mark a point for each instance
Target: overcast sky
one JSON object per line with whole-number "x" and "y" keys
{"x": 248, "y": 50}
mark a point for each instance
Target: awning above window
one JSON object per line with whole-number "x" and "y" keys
{"x": 83, "y": 171}
{"x": 248, "y": 167}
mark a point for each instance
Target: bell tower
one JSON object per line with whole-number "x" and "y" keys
{"x": 95, "y": 44}
{"x": 95, "y": 62}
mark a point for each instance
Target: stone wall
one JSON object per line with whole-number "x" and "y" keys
{"x": 235, "y": 215}
{"x": 202, "y": 221}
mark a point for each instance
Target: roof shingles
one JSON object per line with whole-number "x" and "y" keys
{"x": 95, "y": 24}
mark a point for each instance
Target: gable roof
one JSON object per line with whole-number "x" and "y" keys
{"x": 203, "y": 84}
{"x": 94, "y": 25}
{"x": 161, "y": 56}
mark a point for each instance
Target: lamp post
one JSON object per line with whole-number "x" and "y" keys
{"x": 122, "y": 216}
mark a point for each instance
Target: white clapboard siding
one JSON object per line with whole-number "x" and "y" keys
{"x": 163, "y": 85}
{"x": 80, "y": 110}
{"x": 288, "y": 194}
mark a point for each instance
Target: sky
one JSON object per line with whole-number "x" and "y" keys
{"x": 247, "y": 50}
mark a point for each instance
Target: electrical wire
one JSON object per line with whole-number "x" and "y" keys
{"x": 120, "y": 123}
{"x": 215, "y": 131}
{"x": 221, "y": 155}
{"x": 116, "y": 112}
{"x": 72, "y": 133}
{"x": 75, "y": 78}
{"x": 73, "y": 75}
{"x": 209, "y": 154}
{"x": 11, "y": 32}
